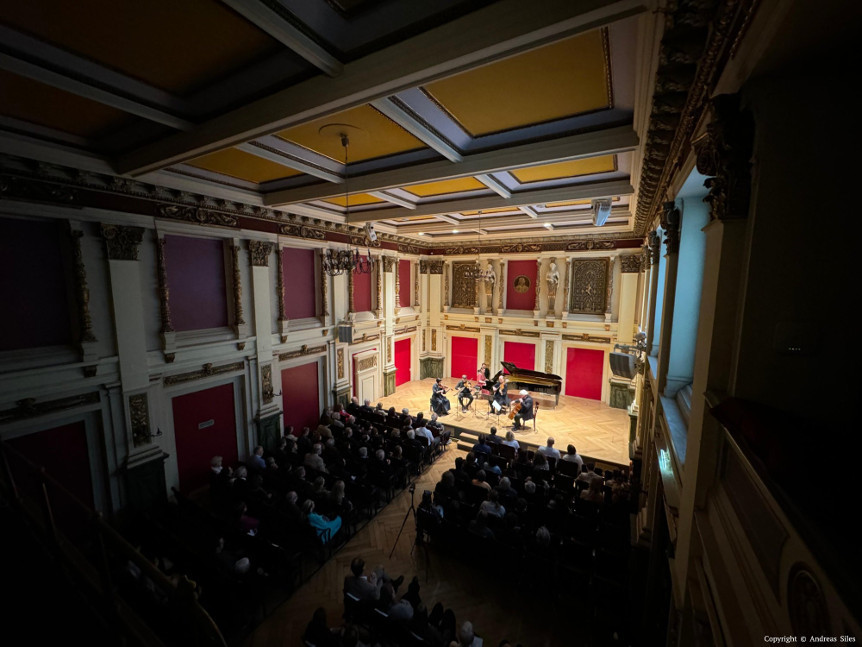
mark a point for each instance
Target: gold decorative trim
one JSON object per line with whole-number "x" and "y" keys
{"x": 415, "y": 284}
{"x": 630, "y": 263}
{"x": 339, "y": 361}
{"x": 389, "y": 343}
{"x": 404, "y": 331}
{"x": 304, "y": 350}
{"x": 324, "y": 289}
{"x": 266, "y": 388}
{"x": 397, "y": 268}
{"x": 587, "y": 337}
{"x": 29, "y": 408}
{"x": 196, "y": 214}
{"x": 207, "y": 370}
{"x": 237, "y": 286}
{"x": 379, "y": 277}
{"x": 122, "y": 242}
{"x": 139, "y": 415}
{"x": 366, "y": 363}
{"x": 388, "y": 263}
{"x": 549, "y": 356}
{"x": 488, "y": 346}
{"x": 434, "y": 339}
{"x": 82, "y": 292}
{"x": 464, "y": 328}
{"x": 366, "y": 337}
{"x": 301, "y": 231}
{"x": 279, "y": 282}
{"x": 258, "y": 253}
{"x": 351, "y": 300}
{"x": 521, "y": 333}
{"x": 164, "y": 293}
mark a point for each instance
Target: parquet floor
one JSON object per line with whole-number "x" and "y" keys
{"x": 477, "y": 591}
{"x": 593, "y": 427}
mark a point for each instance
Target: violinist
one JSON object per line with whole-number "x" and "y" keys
{"x": 439, "y": 402}
{"x": 464, "y": 394}
{"x": 501, "y": 398}
{"x": 523, "y": 409}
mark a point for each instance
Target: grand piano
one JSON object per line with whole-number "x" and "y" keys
{"x": 534, "y": 381}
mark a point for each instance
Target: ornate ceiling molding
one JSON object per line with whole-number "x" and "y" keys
{"x": 699, "y": 37}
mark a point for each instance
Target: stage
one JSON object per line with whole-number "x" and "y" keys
{"x": 594, "y": 428}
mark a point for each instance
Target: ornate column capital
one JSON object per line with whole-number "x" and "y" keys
{"x": 258, "y": 253}
{"x": 670, "y": 222}
{"x": 388, "y": 263}
{"x": 122, "y": 241}
{"x": 724, "y": 154}
{"x": 631, "y": 263}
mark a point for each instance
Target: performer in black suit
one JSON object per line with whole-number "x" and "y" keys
{"x": 464, "y": 394}
{"x": 439, "y": 402}
{"x": 526, "y": 411}
{"x": 501, "y": 398}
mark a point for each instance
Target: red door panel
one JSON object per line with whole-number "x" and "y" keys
{"x": 584, "y": 373}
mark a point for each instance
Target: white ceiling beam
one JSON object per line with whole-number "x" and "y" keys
{"x": 445, "y": 218}
{"x": 527, "y": 209}
{"x": 416, "y": 128}
{"x": 258, "y": 13}
{"x": 495, "y": 185}
{"x": 89, "y": 90}
{"x": 291, "y": 163}
{"x": 503, "y": 29}
{"x": 556, "y": 194}
{"x": 401, "y": 202}
{"x": 614, "y": 140}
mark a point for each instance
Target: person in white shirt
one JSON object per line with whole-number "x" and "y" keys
{"x": 426, "y": 433}
{"x": 572, "y": 456}
{"x": 549, "y": 451}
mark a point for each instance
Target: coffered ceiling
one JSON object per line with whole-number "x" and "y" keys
{"x": 462, "y": 117}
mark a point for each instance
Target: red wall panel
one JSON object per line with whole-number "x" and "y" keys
{"x": 299, "y": 283}
{"x": 404, "y": 283}
{"x": 584, "y": 373}
{"x": 33, "y": 285}
{"x": 196, "y": 445}
{"x": 402, "y": 361}
{"x": 521, "y": 285}
{"x": 196, "y": 282}
{"x": 301, "y": 396}
{"x": 520, "y": 354}
{"x": 362, "y": 291}
{"x": 62, "y": 451}
{"x": 465, "y": 357}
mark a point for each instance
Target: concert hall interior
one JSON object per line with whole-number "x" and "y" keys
{"x": 223, "y": 221}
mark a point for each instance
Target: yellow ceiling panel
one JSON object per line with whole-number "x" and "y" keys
{"x": 176, "y": 46}
{"x": 558, "y": 170}
{"x": 482, "y": 212}
{"x": 380, "y": 135}
{"x": 563, "y": 79}
{"x": 38, "y": 103}
{"x": 356, "y": 199}
{"x": 445, "y": 186}
{"x": 572, "y": 203}
{"x": 242, "y": 165}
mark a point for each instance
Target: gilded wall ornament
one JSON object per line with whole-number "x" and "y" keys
{"x": 29, "y": 407}
{"x": 670, "y": 222}
{"x": 435, "y": 267}
{"x": 139, "y": 415}
{"x": 279, "y": 282}
{"x": 196, "y": 215}
{"x": 303, "y": 351}
{"x": 589, "y": 286}
{"x": 82, "y": 292}
{"x": 366, "y": 363}
{"x": 588, "y": 245}
{"x": 266, "y": 388}
{"x": 324, "y": 289}
{"x": 258, "y": 253}
{"x": 122, "y": 241}
{"x": 164, "y": 293}
{"x": 389, "y": 343}
{"x": 488, "y": 344}
{"x": 237, "y": 286}
{"x": 207, "y": 370}
{"x": 433, "y": 339}
{"x": 463, "y": 287}
{"x": 549, "y": 356}
{"x": 301, "y": 231}
{"x": 339, "y": 361}
{"x": 388, "y": 263}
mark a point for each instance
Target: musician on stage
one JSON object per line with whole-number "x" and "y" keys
{"x": 483, "y": 375}
{"x": 439, "y": 402}
{"x": 525, "y": 412}
{"x": 501, "y": 398}
{"x": 463, "y": 391}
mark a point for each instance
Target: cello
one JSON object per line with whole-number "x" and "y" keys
{"x": 516, "y": 407}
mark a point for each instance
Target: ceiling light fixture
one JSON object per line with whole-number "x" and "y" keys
{"x": 475, "y": 272}
{"x": 342, "y": 261}
{"x": 601, "y": 211}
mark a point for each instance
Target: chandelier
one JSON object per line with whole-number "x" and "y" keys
{"x": 475, "y": 271}
{"x": 342, "y": 261}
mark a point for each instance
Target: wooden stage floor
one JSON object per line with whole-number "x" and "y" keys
{"x": 594, "y": 428}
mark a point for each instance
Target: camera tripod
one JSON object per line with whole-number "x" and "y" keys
{"x": 410, "y": 510}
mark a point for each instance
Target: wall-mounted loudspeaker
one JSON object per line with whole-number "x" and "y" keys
{"x": 601, "y": 211}
{"x": 345, "y": 334}
{"x": 369, "y": 231}
{"x": 623, "y": 365}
